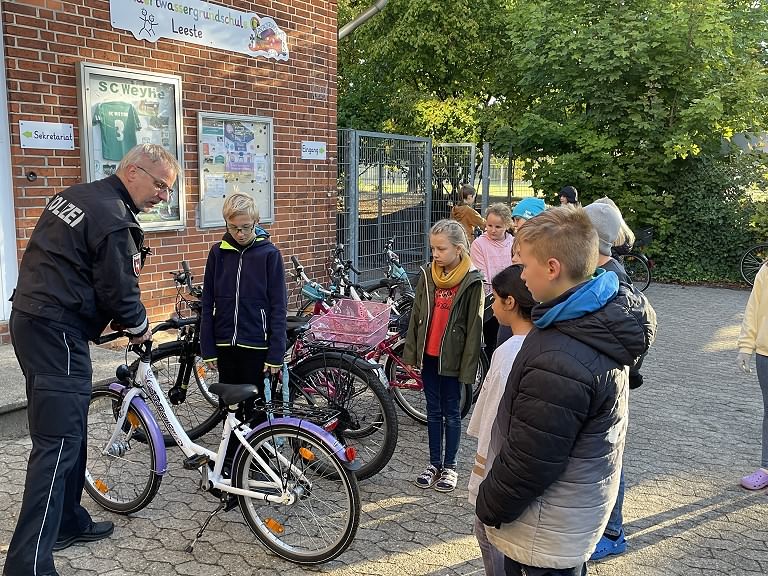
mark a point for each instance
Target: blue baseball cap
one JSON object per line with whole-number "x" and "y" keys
{"x": 527, "y": 208}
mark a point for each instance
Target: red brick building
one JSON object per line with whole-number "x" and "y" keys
{"x": 59, "y": 54}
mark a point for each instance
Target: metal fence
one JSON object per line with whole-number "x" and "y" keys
{"x": 384, "y": 190}
{"x": 393, "y": 185}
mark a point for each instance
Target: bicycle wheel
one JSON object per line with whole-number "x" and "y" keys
{"x": 637, "y": 269}
{"x": 323, "y": 519}
{"x": 199, "y": 411}
{"x": 751, "y": 262}
{"x": 482, "y": 370}
{"x": 409, "y": 393}
{"x": 121, "y": 478}
{"x": 367, "y": 419}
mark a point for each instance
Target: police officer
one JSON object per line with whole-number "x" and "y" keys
{"x": 80, "y": 271}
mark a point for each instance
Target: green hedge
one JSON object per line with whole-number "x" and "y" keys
{"x": 705, "y": 218}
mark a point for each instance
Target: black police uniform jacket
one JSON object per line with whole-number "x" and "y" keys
{"x": 81, "y": 265}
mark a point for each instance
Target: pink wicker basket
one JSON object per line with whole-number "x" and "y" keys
{"x": 352, "y": 322}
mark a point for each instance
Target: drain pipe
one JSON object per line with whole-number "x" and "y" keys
{"x": 374, "y": 9}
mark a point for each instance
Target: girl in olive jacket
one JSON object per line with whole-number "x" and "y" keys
{"x": 444, "y": 339}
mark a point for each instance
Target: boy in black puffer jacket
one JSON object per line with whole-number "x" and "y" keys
{"x": 558, "y": 439}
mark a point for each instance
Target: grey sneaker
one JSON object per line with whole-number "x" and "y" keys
{"x": 428, "y": 478}
{"x": 447, "y": 481}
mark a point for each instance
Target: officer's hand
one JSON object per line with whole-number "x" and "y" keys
{"x": 211, "y": 365}
{"x": 273, "y": 369}
{"x": 743, "y": 359}
{"x": 139, "y": 339}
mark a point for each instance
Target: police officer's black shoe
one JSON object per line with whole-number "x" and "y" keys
{"x": 96, "y": 531}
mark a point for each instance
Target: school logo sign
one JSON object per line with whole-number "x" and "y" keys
{"x": 201, "y": 23}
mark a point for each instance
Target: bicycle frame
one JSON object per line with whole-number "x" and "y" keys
{"x": 147, "y": 384}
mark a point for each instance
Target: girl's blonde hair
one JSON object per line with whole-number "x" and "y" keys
{"x": 626, "y": 236}
{"x": 502, "y": 211}
{"x": 240, "y": 204}
{"x": 453, "y": 231}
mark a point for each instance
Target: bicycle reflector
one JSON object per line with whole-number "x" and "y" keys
{"x": 101, "y": 486}
{"x": 274, "y": 526}
{"x": 331, "y": 425}
{"x": 351, "y": 453}
{"x": 306, "y": 453}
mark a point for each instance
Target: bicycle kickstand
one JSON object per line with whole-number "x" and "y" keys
{"x": 223, "y": 505}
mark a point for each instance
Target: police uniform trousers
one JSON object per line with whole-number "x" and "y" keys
{"x": 57, "y": 368}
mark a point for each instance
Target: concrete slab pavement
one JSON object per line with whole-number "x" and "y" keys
{"x": 694, "y": 431}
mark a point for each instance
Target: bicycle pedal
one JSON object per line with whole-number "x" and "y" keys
{"x": 195, "y": 462}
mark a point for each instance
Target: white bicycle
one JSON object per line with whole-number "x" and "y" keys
{"x": 291, "y": 478}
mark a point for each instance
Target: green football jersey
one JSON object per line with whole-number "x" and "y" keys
{"x": 119, "y": 123}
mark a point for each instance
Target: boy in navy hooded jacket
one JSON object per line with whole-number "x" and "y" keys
{"x": 242, "y": 332}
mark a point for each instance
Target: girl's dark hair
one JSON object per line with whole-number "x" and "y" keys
{"x": 508, "y": 283}
{"x": 466, "y": 191}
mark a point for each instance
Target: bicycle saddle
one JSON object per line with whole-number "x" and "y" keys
{"x": 232, "y": 394}
{"x": 294, "y": 325}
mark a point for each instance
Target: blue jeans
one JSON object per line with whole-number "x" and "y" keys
{"x": 616, "y": 521}
{"x": 493, "y": 558}
{"x": 513, "y": 568}
{"x": 443, "y": 395}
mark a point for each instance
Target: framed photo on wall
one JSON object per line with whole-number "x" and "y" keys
{"x": 235, "y": 156}
{"x": 121, "y": 108}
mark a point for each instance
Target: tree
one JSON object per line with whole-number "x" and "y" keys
{"x": 608, "y": 95}
{"x": 421, "y": 68}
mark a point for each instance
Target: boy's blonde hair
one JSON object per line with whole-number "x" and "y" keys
{"x": 502, "y": 211}
{"x": 626, "y": 236}
{"x": 566, "y": 234}
{"x": 240, "y": 204}
{"x": 453, "y": 231}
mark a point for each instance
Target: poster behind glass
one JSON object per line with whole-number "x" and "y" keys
{"x": 123, "y": 109}
{"x": 235, "y": 156}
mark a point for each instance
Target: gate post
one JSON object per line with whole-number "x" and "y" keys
{"x": 485, "y": 175}
{"x": 427, "y": 196}
{"x": 354, "y": 197}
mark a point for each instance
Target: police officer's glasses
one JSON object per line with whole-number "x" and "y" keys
{"x": 160, "y": 186}
{"x": 247, "y": 229}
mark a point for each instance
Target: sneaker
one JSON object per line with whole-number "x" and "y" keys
{"x": 755, "y": 481}
{"x": 447, "y": 482}
{"x": 95, "y": 531}
{"x": 428, "y": 478}
{"x": 609, "y": 546}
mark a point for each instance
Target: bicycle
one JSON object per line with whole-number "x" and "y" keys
{"x": 751, "y": 260}
{"x": 636, "y": 264}
{"x": 290, "y": 477}
{"x": 333, "y": 377}
{"x": 404, "y": 383}
{"x": 178, "y": 365}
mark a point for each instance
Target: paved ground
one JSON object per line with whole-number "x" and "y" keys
{"x": 694, "y": 431}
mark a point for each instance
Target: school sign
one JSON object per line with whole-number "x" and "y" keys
{"x": 201, "y": 23}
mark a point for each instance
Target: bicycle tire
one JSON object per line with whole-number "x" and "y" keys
{"x": 751, "y": 261}
{"x": 368, "y": 419}
{"x": 636, "y": 267}
{"x": 482, "y": 370}
{"x": 199, "y": 413}
{"x": 323, "y": 521}
{"x": 410, "y": 397}
{"x": 124, "y": 480}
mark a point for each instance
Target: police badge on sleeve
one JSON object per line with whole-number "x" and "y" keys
{"x": 137, "y": 263}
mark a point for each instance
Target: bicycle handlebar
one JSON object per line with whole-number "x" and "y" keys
{"x": 187, "y": 274}
{"x": 301, "y": 275}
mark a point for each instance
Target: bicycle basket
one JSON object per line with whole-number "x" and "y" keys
{"x": 643, "y": 237}
{"x": 352, "y": 322}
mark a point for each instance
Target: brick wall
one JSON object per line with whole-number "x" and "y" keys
{"x": 46, "y": 39}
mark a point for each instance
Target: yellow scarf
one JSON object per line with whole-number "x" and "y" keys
{"x": 454, "y": 277}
